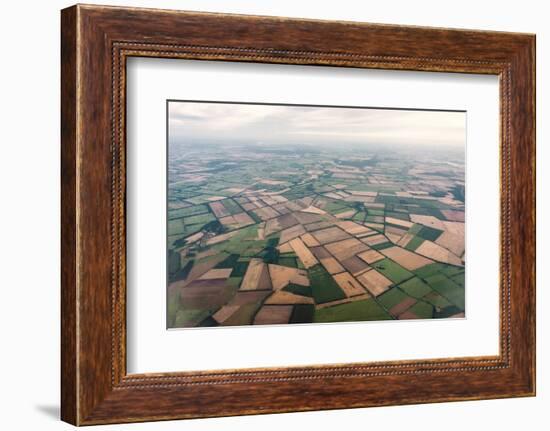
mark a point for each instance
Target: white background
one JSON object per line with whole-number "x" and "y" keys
{"x": 29, "y": 228}
{"x": 151, "y": 348}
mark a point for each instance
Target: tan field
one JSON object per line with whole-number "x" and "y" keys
{"x": 378, "y": 219}
{"x": 436, "y": 252}
{"x": 249, "y": 297}
{"x": 218, "y": 209}
{"x": 453, "y": 215}
{"x": 194, "y": 238}
{"x": 371, "y": 232}
{"x": 256, "y": 201}
{"x": 285, "y": 248}
{"x": 364, "y": 199}
{"x": 249, "y": 206}
{"x": 273, "y": 314}
{"x": 281, "y": 209}
{"x": 375, "y": 239}
{"x": 429, "y": 221}
{"x": 279, "y": 223}
{"x": 332, "y": 195}
{"x": 407, "y": 315}
{"x": 228, "y": 221}
{"x": 342, "y": 194}
{"x": 303, "y": 253}
{"x": 199, "y": 269}
{"x": 281, "y": 297}
{"x": 216, "y": 273}
{"x": 452, "y": 242}
{"x": 206, "y": 293}
{"x": 447, "y": 200}
{"x": 395, "y": 231}
{"x": 266, "y": 213}
{"x": 407, "y": 259}
{"x": 225, "y": 313}
{"x": 256, "y": 276}
{"x": 348, "y": 284}
{"x": 359, "y": 193}
{"x": 261, "y": 231}
{"x": 330, "y": 234}
{"x": 393, "y": 237}
{"x": 291, "y": 233}
{"x": 345, "y": 249}
{"x": 403, "y": 306}
{"x": 374, "y": 282}
{"x": 281, "y": 276}
{"x": 354, "y": 265}
{"x": 346, "y": 214}
{"x": 353, "y": 228}
{"x": 394, "y": 234}
{"x": 237, "y": 221}
{"x": 268, "y": 200}
{"x": 313, "y": 210}
{"x": 377, "y": 226}
{"x": 399, "y": 222}
{"x": 279, "y": 199}
{"x": 318, "y": 226}
{"x": 455, "y": 228}
{"x": 371, "y": 256}
{"x": 309, "y": 240}
{"x": 243, "y": 219}
{"x": 221, "y": 238}
{"x": 331, "y": 265}
{"x": 305, "y": 201}
{"x": 405, "y": 239}
{"x": 374, "y": 205}
{"x": 418, "y": 192}
{"x": 290, "y": 206}
{"x": 306, "y": 218}
{"x": 320, "y": 252}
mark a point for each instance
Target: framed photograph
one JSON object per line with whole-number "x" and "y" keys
{"x": 264, "y": 214}
{"x": 283, "y": 214}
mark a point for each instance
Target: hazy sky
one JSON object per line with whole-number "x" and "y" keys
{"x": 296, "y": 124}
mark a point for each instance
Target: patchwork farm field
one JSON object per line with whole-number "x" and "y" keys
{"x": 261, "y": 235}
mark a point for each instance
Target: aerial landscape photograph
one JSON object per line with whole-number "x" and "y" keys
{"x": 302, "y": 214}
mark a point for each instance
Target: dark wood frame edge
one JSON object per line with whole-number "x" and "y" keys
{"x": 95, "y": 388}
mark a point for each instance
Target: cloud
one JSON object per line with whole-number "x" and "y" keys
{"x": 190, "y": 121}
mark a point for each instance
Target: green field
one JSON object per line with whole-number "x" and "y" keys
{"x": 415, "y": 287}
{"x": 323, "y": 287}
{"x": 393, "y": 271}
{"x": 392, "y": 297}
{"x": 354, "y": 311}
{"x": 447, "y": 288}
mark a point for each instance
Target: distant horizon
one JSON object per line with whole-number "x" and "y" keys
{"x": 259, "y": 124}
{"x": 319, "y": 146}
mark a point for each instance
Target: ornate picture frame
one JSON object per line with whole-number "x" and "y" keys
{"x": 96, "y": 42}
